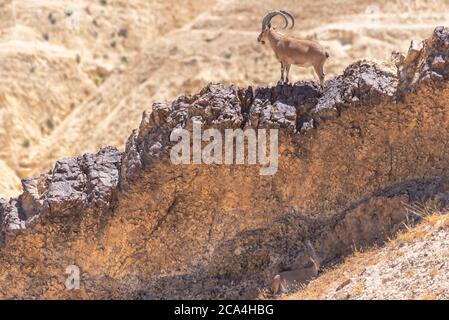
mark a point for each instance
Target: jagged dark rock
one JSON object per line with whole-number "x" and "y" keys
{"x": 74, "y": 184}
{"x": 138, "y": 226}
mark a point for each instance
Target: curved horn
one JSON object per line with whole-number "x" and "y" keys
{"x": 290, "y": 16}
{"x": 267, "y": 19}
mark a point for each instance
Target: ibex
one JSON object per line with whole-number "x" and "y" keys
{"x": 290, "y": 279}
{"x": 290, "y": 50}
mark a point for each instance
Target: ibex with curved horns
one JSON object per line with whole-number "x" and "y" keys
{"x": 294, "y": 278}
{"x": 290, "y": 50}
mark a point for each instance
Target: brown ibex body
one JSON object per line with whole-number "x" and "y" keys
{"x": 292, "y": 51}
{"x": 292, "y": 279}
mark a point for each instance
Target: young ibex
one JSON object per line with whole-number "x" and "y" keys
{"x": 290, "y": 50}
{"x": 291, "y": 279}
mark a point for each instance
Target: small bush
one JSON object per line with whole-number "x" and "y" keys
{"x": 50, "y": 123}
{"x": 227, "y": 55}
{"x": 51, "y": 18}
{"x": 26, "y": 143}
{"x": 98, "y": 80}
{"x": 123, "y": 32}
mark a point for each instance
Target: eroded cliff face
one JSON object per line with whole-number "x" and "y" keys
{"x": 138, "y": 226}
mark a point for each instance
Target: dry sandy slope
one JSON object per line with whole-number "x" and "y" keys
{"x": 412, "y": 266}
{"x": 53, "y": 62}
{"x": 86, "y": 87}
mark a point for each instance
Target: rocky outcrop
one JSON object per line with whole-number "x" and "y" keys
{"x": 138, "y": 226}
{"x": 426, "y": 61}
{"x": 75, "y": 184}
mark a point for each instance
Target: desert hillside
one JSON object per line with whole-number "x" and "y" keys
{"x": 352, "y": 160}
{"x": 77, "y": 75}
{"x": 411, "y": 266}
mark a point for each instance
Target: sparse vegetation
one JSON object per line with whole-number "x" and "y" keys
{"x": 98, "y": 80}
{"x": 407, "y": 235}
{"x": 50, "y": 123}
{"x": 26, "y": 143}
{"x": 51, "y": 18}
{"x": 123, "y": 32}
{"x": 359, "y": 289}
{"x": 429, "y": 296}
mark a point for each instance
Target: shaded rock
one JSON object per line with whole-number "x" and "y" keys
{"x": 283, "y": 105}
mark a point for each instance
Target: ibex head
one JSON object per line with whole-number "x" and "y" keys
{"x": 266, "y": 23}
